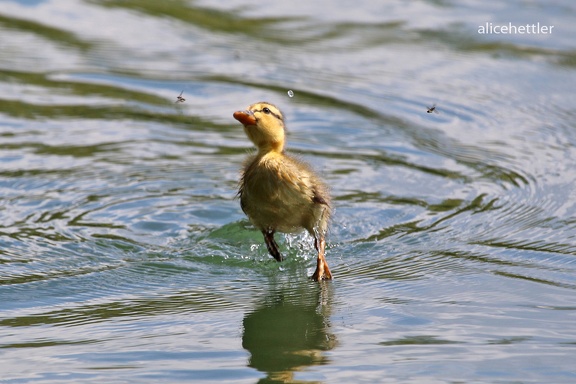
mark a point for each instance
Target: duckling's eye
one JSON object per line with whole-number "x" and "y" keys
{"x": 266, "y": 110}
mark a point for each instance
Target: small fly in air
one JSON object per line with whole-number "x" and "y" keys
{"x": 179, "y": 98}
{"x": 432, "y": 109}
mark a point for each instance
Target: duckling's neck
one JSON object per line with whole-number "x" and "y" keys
{"x": 271, "y": 149}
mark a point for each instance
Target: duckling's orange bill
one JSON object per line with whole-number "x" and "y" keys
{"x": 245, "y": 117}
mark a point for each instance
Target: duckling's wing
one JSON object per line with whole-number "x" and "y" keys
{"x": 248, "y": 162}
{"x": 319, "y": 199}
{"x": 314, "y": 184}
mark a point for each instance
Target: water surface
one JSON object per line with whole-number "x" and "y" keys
{"x": 125, "y": 257}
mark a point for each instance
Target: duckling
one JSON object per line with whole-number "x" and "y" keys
{"x": 279, "y": 192}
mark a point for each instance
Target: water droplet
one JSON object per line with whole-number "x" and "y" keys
{"x": 290, "y": 93}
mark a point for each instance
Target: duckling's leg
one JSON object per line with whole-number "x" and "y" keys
{"x": 271, "y": 244}
{"x": 322, "y": 271}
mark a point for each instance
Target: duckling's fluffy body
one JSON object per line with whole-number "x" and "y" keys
{"x": 281, "y": 192}
{"x": 277, "y": 191}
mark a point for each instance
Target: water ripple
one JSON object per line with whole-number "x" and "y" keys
{"x": 453, "y": 235}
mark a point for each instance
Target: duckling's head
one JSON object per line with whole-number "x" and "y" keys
{"x": 264, "y": 125}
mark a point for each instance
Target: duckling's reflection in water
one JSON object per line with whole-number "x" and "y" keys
{"x": 289, "y": 331}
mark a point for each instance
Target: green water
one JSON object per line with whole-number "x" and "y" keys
{"x": 125, "y": 256}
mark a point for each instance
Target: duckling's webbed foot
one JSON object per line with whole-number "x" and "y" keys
{"x": 271, "y": 244}
{"x": 322, "y": 271}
